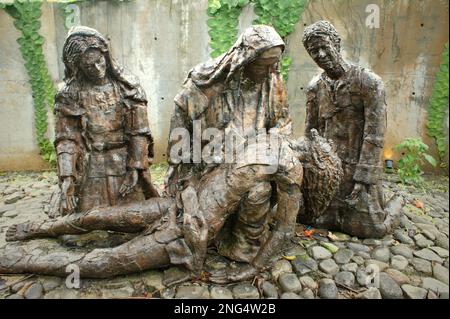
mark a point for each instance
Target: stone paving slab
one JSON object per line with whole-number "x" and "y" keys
{"x": 411, "y": 263}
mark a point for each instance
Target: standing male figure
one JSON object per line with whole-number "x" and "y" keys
{"x": 346, "y": 103}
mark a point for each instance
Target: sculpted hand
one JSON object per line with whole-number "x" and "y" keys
{"x": 358, "y": 189}
{"x": 227, "y": 275}
{"x": 195, "y": 232}
{"x": 68, "y": 199}
{"x": 130, "y": 181}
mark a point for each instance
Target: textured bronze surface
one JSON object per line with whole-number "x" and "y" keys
{"x": 247, "y": 209}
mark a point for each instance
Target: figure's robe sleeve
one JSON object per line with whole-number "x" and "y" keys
{"x": 312, "y": 109}
{"x": 280, "y": 115}
{"x": 68, "y": 134}
{"x": 179, "y": 122}
{"x": 137, "y": 129}
{"x": 140, "y": 147}
{"x": 369, "y": 167}
{"x": 190, "y": 103}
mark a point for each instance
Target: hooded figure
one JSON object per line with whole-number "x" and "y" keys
{"x": 213, "y": 94}
{"x": 241, "y": 90}
{"x": 103, "y": 140}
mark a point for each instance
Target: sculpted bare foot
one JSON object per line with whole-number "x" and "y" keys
{"x": 23, "y": 231}
{"x": 241, "y": 273}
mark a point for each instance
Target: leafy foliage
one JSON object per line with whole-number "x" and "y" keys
{"x": 26, "y": 14}
{"x": 439, "y": 105}
{"x": 224, "y": 20}
{"x": 63, "y": 6}
{"x": 223, "y": 23}
{"x": 409, "y": 167}
{"x": 285, "y": 64}
{"x": 283, "y": 15}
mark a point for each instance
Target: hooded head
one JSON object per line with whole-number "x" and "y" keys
{"x": 252, "y": 43}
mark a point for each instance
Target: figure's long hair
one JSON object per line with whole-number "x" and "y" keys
{"x": 79, "y": 40}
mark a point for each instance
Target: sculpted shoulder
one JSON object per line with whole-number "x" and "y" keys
{"x": 66, "y": 100}
{"x": 370, "y": 79}
{"x": 313, "y": 85}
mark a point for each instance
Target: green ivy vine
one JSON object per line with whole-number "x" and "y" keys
{"x": 438, "y": 106}
{"x": 223, "y": 23}
{"x": 283, "y": 15}
{"x": 26, "y": 14}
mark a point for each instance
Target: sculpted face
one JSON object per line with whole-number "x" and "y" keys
{"x": 93, "y": 65}
{"x": 324, "y": 53}
{"x": 259, "y": 69}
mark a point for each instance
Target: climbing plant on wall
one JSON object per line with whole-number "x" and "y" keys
{"x": 223, "y": 23}
{"x": 283, "y": 15}
{"x": 438, "y": 106}
{"x": 26, "y": 14}
{"x": 224, "y": 19}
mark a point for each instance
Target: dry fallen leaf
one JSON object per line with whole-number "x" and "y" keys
{"x": 309, "y": 233}
{"x": 289, "y": 257}
{"x": 418, "y": 204}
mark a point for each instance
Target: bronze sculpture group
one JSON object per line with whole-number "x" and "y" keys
{"x": 246, "y": 208}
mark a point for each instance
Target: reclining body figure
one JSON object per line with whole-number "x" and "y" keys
{"x": 169, "y": 236}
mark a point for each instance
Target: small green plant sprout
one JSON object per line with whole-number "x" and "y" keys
{"x": 409, "y": 167}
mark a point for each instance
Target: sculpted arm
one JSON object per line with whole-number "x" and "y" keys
{"x": 68, "y": 149}
{"x": 368, "y": 168}
{"x": 140, "y": 138}
{"x": 312, "y": 109}
{"x": 281, "y": 121}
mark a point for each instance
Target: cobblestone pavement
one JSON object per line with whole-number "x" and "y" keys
{"x": 410, "y": 263}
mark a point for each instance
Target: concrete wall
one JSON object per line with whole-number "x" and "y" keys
{"x": 18, "y": 148}
{"x": 160, "y": 40}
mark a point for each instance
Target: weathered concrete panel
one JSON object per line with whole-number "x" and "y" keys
{"x": 18, "y": 146}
